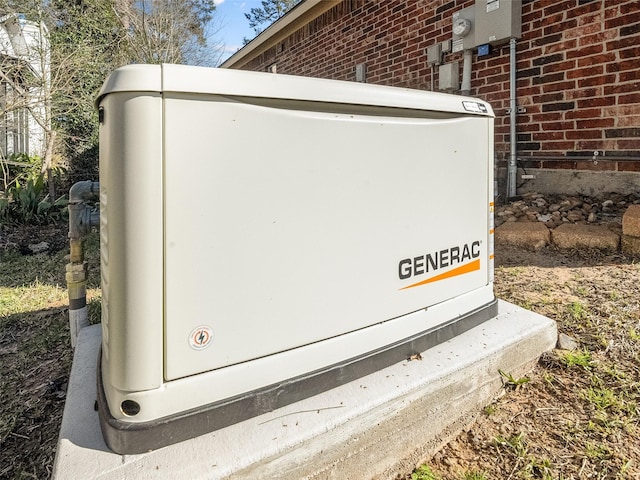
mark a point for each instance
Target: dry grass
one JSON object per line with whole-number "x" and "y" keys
{"x": 35, "y": 355}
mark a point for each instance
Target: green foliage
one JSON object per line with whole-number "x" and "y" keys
{"x": 88, "y": 40}
{"x": 271, "y": 10}
{"x": 489, "y": 409}
{"x": 532, "y": 467}
{"x": 603, "y": 399}
{"x": 19, "y": 166}
{"x": 577, "y": 311}
{"x": 475, "y": 476}
{"x": 578, "y": 358}
{"x": 535, "y": 468}
{"x": 597, "y": 452}
{"x": 4, "y": 208}
{"x": 511, "y": 382}
{"x": 29, "y": 203}
{"x": 515, "y": 443}
{"x": 424, "y": 472}
{"x": 87, "y": 43}
{"x": 26, "y": 198}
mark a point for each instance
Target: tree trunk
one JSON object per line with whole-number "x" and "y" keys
{"x": 47, "y": 166}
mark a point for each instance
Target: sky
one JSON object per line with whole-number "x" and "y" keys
{"x": 232, "y": 25}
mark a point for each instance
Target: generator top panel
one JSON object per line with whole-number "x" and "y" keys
{"x": 214, "y": 81}
{"x": 264, "y": 237}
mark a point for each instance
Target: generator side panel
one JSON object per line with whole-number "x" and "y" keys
{"x": 131, "y": 232}
{"x": 289, "y": 224}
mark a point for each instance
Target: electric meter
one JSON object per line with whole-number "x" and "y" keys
{"x": 461, "y": 27}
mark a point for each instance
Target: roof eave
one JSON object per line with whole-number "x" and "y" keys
{"x": 295, "y": 18}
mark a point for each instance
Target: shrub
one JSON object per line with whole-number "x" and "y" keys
{"x": 26, "y": 199}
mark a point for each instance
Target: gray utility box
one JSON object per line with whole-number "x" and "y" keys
{"x": 497, "y": 21}
{"x": 487, "y": 22}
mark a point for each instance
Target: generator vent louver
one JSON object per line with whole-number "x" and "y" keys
{"x": 104, "y": 269}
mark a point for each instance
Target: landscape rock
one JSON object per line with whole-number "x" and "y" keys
{"x": 571, "y": 236}
{"x": 631, "y": 221}
{"x": 552, "y": 212}
{"x": 36, "y": 248}
{"x": 575, "y": 216}
{"x": 556, "y": 210}
{"x": 565, "y": 342}
{"x": 554, "y": 207}
{"x": 529, "y": 235}
{"x": 630, "y": 245}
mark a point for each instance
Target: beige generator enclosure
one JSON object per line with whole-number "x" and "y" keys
{"x": 265, "y": 238}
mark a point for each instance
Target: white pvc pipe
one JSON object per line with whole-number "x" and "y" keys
{"x": 466, "y": 73}
{"x": 78, "y": 319}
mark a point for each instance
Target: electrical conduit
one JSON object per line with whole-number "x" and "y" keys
{"x": 513, "y": 106}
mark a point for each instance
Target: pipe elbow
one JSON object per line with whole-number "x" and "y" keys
{"x": 84, "y": 190}
{"x": 80, "y": 216}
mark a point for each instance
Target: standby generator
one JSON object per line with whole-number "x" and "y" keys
{"x": 266, "y": 237}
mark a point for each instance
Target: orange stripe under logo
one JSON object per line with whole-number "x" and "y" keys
{"x": 462, "y": 269}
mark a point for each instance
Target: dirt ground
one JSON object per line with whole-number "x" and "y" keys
{"x": 575, "y": 417}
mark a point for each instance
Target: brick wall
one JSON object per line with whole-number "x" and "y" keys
{"x": 578, "y": 70}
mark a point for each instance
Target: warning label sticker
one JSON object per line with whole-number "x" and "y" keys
{"x": 476, "y": 107}
{"x": 200, "y": 337}
{"x": 492, "y": 5}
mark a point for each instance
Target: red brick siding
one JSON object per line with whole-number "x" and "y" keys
{"x": 578, "y": 68}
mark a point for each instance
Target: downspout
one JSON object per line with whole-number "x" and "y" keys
{"x": 466, "y": 73}
{"x": 81, "y": 217}
{"x": 512, "y": 170}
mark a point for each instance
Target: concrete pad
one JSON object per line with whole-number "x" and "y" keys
{"x": 529, "y": 235}
{"x": 630, "y": 245}
{"x": 569, "y": 236}
{"x": 378, "y": 426}
{"x": 631, "y": 221}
